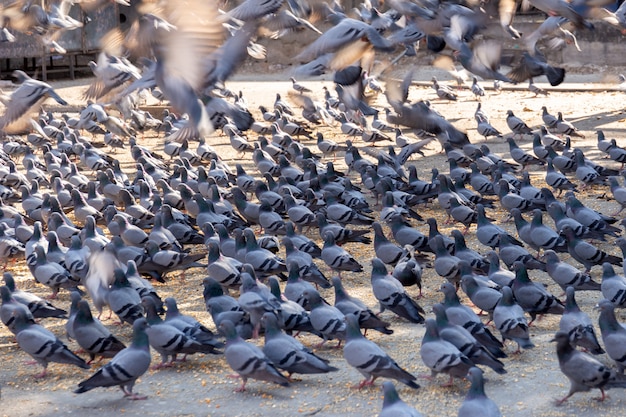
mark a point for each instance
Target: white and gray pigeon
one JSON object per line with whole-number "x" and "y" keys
{"x": 476, "y": 403}
{"x": 510, "y": 321}
{"x": 27, "y": 97}
{"x": 42, "y": 344}
{"x": 391, "y": 294}
{"x": 442, "y": 356}
{"x": 92, "y": 336}
{"x": 288, "y": 354}
{"x": 584, "y": 371}
{"x": 613, "y": 334}
{"x": 369, "y": 359}
{"x": 577, "y": 324}
{"x": 248, "y": 360}
{"x": 126, "y": 366}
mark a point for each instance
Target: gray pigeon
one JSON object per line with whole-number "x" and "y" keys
{"x": 586, "y": 253}
{"x": 289, "y": 354}
{"x": 442, "y": 356}
{"x": 578, "y": 325}
{"x": 42, "y": 344}
{"x": 613, "y": 334}
{"x": 92, "y": 336}
{"x": 391, "y": 294}
{"x": 189, "y": 325}
{"x": 351, "y": 305}
{"x": 533, "y": 297}
{"x": 329, "y": 321}
{"x": 338, "y": 258}
{"x": 465, "y": 342}
{"x": 583, "y": 371}
{"x": 10, "y": 306}
{"x": 125, "y": 367}
{"x": 510, "y": 321}
{"x": 476, "y": 403}
{"x": 168, "y": 340}
{"x": 613, "y": 286}
{"x": 248, "y": 360}
{"x": 122, "y": 299}
{"x": 393, "y": 406}
{"x": 39, "y": 307}
{"x": 567, "y": 275}
{"x": 464, "y": 316}
{"x": 369, "y": 359}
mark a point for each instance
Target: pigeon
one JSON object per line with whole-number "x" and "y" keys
{"x": 385, "y": 250}
{"x": 42, "y": 344}
{"x": 126, "y": 366}
{"x": 465, "y": 317}
{"x": 446, "y": 265}
{"x": 338, "y": 258}
{"x": 168, "y": 340}
{"x": 465, "y": 342}
{"x": 391, "y": 294}
{"x": 291, "y": 316}
{"x": 509, "y": 319}
{"x": 347, "y": 304}
{"x": 517, "y": 125}
{"x": 27, "y": 97}
{"x": 613, "y": 286}
{"x": 613, "y": 334}
{"x": 329, "y": 321}
{"x": 288, "y": 354}
{"x": 393, "y": 406}
{"x": 476, "y": 403}
{"x": 578, "y": 326}
{"x": 248, "y": 360}
{"x": 442, "y": 356}
{"x": 10, "y": 307}
{"x": 586, "y": 253}
{"x": 566, "y": 275}
{"x": 543, "y": 236}
{"x": 533, "y": 297}
{"x": 51, "y": 274}
{"x": 38, "y": 307}
{"x": 122, "y": 299}
{"x": 92, "y": 336}
{"x": 370, "y": 360}
{"x": 189, "y": 325}
{"x": 583, "y": 371}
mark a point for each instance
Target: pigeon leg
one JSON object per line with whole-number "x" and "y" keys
{"x": 603, "y": 397}
{"x": 449, "y": 383}
{"x": 42, "y": 374}
{"x": 242, "y": 388}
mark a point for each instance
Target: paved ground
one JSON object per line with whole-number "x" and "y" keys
{"x": 201, "y": 386}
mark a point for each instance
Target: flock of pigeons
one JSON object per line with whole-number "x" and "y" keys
{"x": 121, "y": 230}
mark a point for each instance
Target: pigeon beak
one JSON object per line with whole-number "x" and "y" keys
{"x": 552, "y": 340}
